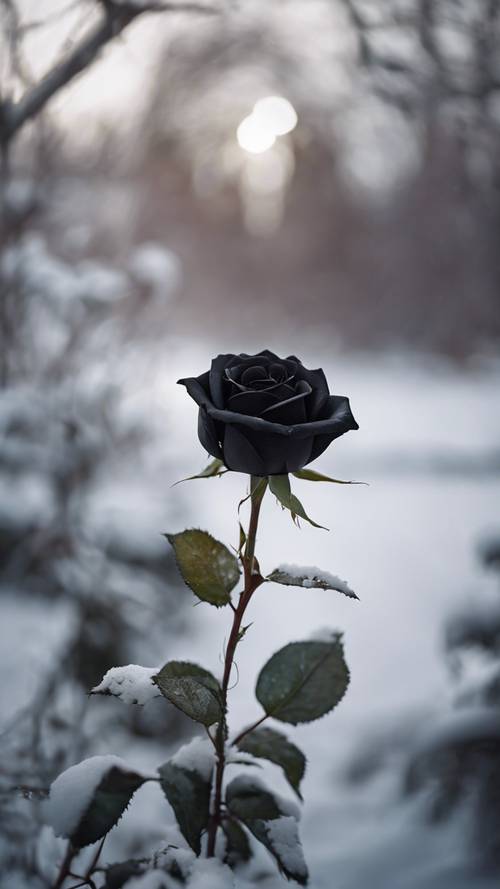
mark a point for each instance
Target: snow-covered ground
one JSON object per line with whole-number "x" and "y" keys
{"x": 428, "y": 440}
{"x": 428, "y": 444}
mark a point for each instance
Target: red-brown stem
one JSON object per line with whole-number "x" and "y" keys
{"x": 249, "y": 729}
{"x": 252, "y": 581}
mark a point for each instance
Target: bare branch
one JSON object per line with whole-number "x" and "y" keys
{"x": 116, "y": 18}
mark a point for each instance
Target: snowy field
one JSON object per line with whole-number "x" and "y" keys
{"x": 429, "y": 447}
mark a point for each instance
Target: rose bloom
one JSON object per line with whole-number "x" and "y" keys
{"x": 265, "y": 415}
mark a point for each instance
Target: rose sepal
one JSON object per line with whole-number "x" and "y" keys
{"x": 279, "y": 485}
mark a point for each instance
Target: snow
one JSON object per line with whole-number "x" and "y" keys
{"x": 153, "y": 879}
{"x": 284, "y": 838}
{"x": 32, "y": 265}
{"x": 156, "y": 267}
{"x": 197, "y": 756}
{"x": 310, "y": 576}
{"x": 244, "y": 783}
{"x": 72, "y": 791}
{"x": 183, "y": 858}
{"x": 209, "y": 873}
{"x": 416, "y": 425}
{"x": 324, "y": 634}
{"x": 132, "y": 684}
{"x": 467, "y": 724}
{"x": 239, "y": 757}
{"x": 100, "y": 283}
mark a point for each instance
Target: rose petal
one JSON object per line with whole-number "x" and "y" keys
{"x": 279, "y": 455}
{"x": 278, "y": 371}
{"x": 251, "y": 402}
{"x": 339, "y": 421}
{"x": 239, "y": 454}
{"x": 250, "y": 374}
{"x": 207, "y": 433}
{"x": 217, "y": 379}
{"x": 292, "y": 410}
{"x": 317, "y": 381}
{"x": 239, "y": 363}
{"x": 320, "y": 444}
{"x": 280, "y": 390}
{"x": 198, "y": 388}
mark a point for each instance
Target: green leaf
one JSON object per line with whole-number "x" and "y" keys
{"x": 238, "y": 848}
{"x": 118, "y": 874}
{"x": 192, "y": 689}
{"x": 107, "y": 803}
{"x": 242, "y": 540}
{"x": 268, "y": 818}
{"x": 215, "y": 468}
{"x": 188, "y": 793}
{"x": 258, "y": 485}
{"x": 266, "y": 743}
{"x": 307, "y": 578}
{"x": 280, "y": 487}
{"x": 206, "y": 565}
{"x": 303, "y": 680}
{"x": 311, "y": 476}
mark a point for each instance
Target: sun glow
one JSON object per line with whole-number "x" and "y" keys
{"x": 272, "y": 116}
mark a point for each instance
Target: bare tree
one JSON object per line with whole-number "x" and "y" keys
{"x": 113, "y": 18}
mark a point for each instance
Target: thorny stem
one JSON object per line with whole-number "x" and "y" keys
{"x": 252, "y": 579}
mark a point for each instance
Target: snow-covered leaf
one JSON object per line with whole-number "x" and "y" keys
{"x": 88, "y": 799}
{"x": 206, "y": 565}
{"x": 304, "y": 680}
{"x": 280, "y": 487}
{"x": 188, "y": 792}
{"x": 266, "y": 743}
{"x": 310, "y": 578}
{"x": 238, "y": 849}
{"x": 192, "y": 689}
{"x": 131, "y": 684}
{"x": 272, "y": 820}
{"x": 116, "y": 875}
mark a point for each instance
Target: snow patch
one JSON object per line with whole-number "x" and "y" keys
{"x": 153, "y": 879}
{"x": 325, "y": 634}
{"x": 71, "y": 793}
{"x": 310, "y": 576}
{"x": 157, "y": 268}
{"x": 197, "y": 756}
{"x": 284, "y": 838}
{"x": 132, "y": 684}
{"x": 183, "y": 858}
{"x": 209, "y": 873}
{"x": 244, "y": 783}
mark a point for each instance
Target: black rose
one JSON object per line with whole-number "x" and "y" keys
{"x": 265, "y": 415}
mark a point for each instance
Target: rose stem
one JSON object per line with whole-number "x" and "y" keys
{"x": 252, "y": 580}
{"x": 250, "y": 728}
{"x": 65, "y": 866}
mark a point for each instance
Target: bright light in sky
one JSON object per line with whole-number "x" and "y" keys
{"x": 254, "y": 135}
{"x": 271, "y": 116}
{"x": 276, "y": 113}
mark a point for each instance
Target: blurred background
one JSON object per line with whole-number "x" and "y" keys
{"x": 318, "y": 177}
